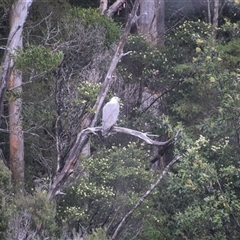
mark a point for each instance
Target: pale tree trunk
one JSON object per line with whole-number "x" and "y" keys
{"x": 15, "y": 126}
{"x": 17, "y": 19}
{"x": 209, "y": 12}
{"x": 103, "y": 5}
{"x": 161, "y": 22}
{"x": 13, "y": 80}
{"x": 151, "y": 21}
{"x": 147, "y": 20}
{"x": 109, "y": 11}
{"x": 215, "y": 17}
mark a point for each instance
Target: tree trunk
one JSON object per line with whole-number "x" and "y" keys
{"x": 209, "y": 11}
{"x": 103, "y": 6}
{"x": 161, "y": 22}
{"x": 147, "y": 20}
{"x": 15, "y": 127}
{"x": 151, "y": 21}
{"x": 109, "y": 11}
{"x": 13, "y": 80}
{"x": 18, "y": 17}
{"x": 215, "y": 17}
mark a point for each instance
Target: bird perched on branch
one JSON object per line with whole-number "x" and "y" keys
{"x": 110, "y": 115}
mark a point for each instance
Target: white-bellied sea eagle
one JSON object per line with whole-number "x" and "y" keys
{"x": 110, "y": 115}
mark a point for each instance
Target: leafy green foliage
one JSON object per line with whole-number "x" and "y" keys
{"x": 199, "y": 199}
{"x": 204, "y": 201}
{"x": 64, "y": 92}
{"x": 99, "y": 233}
{"x": 5, "y": 187}
{"x": 160, "y": 67}
{"x": 114, "y": 179}
{"x": 5, "y": 177}
{"x": 85, "y": 3}
{"x": 211, "y": 209}
{"x": 145, "y": 64}
{"x": 88, "y": 91}
{"x": 195, "y": 202}
{"x": 181, "y": 42}
{"x": 230, "y": 54}
{"x": 188, "y": 32}
{"x": 228, "y": 31}
{"x": 38, "y": 58}
{"x": 92, "y": 17}
{"x": 231, "y": 11}
{"x": 31, "y": 214}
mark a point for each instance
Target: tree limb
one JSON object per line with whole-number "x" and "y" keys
{"x": 114, "y": 7}
{"x": 82, "y": 139}
{"x": 152, "y": 187}
{"x": 141, "y": 135}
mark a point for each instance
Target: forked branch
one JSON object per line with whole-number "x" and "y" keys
{"x": 144, "y": 136}
{"x": 82, "y": 139}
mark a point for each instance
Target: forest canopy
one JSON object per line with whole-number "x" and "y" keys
{"x": 169, "y": 168}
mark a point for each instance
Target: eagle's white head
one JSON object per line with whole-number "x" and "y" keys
{"x": 115, "y": 99}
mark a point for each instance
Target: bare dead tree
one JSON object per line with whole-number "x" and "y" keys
{"x": 91, "y": 119}
{"x": 144, "y": 136}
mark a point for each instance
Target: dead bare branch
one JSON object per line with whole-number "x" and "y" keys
{"x": 124, "y": 54}
{"x": 114, "y": 7}
{"x": 82, "y": 139}
{"x": 141, "y": 199}
{"x": 141, "y": 135}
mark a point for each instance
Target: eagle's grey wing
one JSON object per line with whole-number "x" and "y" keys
{"x": 109, "y": 117}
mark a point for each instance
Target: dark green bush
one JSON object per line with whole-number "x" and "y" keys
{"x": 92, "y": 17}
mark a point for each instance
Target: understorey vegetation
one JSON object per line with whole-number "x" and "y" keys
{"x": 169, "y": 169}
